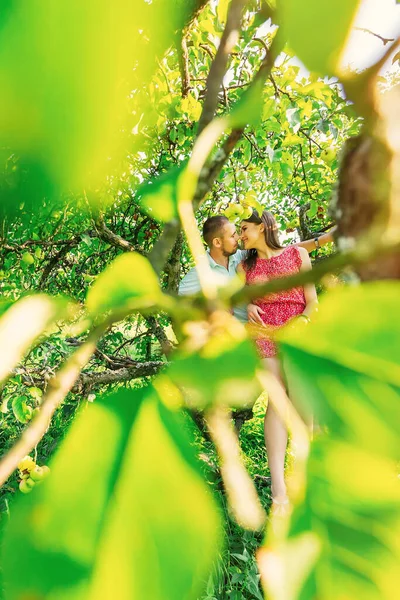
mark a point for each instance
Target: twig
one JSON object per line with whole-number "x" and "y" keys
{"x": 383, "y": 39}
{"x": 304, "y": 173}
{"x": 310, "y": 139}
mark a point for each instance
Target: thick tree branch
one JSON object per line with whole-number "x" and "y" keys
{"x": 360, "y": 255}
{"x": 184, "y": 66}
{"x": 112, "y": 238}
{"x": 53, "y": 262}
{"x": 155, "y": 328}
{"x": 218, "y": 68}
{"x": 88, "y": 381}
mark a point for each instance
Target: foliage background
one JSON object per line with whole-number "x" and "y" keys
{"x": 85, "y": 186}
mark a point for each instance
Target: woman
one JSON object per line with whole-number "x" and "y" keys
{"x": 266, "y": 260}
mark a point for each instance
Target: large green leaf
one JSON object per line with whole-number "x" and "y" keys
{"x": 124, "y": 513}
{"x": 129, "y": 282}
{"x": 222, "y": 372}
{"x": 159, "y": 197}
{"x": 346, "y": 366}
{"x": 68, "y": 69}
{"x": 317, "y": 30}
{"x": 248, "y": 110}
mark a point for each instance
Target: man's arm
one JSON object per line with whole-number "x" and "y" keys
{"x": 190, "y": 284}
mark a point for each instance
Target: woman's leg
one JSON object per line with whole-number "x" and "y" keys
{"x": 276, "y": 437}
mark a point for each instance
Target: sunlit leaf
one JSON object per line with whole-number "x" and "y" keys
{"x": 349, "y": 376}
{"x": 64, "y": 106}
{"x": 317, "y": 30}
{"x": 124, "y": 494}
{"x": 128, "y": 282}
{"x": 222, "y": 10}
{"x": 159, "y": 197}
{"x": 21, "y": 410}
{"x": 312, "y": 211}
{"x": 230, "y": 364}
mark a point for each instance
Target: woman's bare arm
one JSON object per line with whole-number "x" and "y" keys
{"x": 310, "y": 292}
{"x": 317, "y": 242}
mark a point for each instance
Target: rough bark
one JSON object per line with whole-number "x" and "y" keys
{"x": 367, "y": 207}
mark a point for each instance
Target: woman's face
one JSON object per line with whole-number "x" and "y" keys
{"x": 251, "y": 234}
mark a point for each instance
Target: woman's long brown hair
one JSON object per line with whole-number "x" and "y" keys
{"x": 270, "y": 233}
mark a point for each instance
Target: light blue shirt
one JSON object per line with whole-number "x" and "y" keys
{"x": 190, "y": 284}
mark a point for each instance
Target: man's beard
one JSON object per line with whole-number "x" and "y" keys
{"x": 231, "y": 253}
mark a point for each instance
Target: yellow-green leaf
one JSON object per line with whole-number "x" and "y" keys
{"x": 129, "y": 282}
{"x": 124, "y": 512}
{"x": 317, "y": 30}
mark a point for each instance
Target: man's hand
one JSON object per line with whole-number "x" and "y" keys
{"x": 254, "y": 313}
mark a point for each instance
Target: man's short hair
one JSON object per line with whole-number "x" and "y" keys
{"x": 213, "y": 227}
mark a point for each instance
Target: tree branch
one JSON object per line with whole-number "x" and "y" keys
{"x": 219, "y": 65}
{"x": 155, "y": 328}
{"x": 57, "y": 389}
{"x": 112, "y": 238}
{"x": 383, "y": 39}
{"x": 360, "y": 255}
{"x": 88, "y": 381}
{"x": 184, "y": 66}
{"x": 53, "y": 262}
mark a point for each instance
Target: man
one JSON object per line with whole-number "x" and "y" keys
{"x": 222, "y": 240}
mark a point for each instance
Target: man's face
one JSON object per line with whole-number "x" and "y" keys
{"x": 229, "y": 239}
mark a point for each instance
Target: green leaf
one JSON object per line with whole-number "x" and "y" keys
{"x": 159, "y": 197}
{"x": 312, "y": 211}
{"x": 230, "y": 364}
{"x": 35, "y": 392}
{"x": 365, "y": 353}
{"x": 21, "y": 410}
{"x": 286, "y": 171}
{"x": 248, "y": 110}
{"x": 24, "y": 321}
{"x": 222, "y": 10}
{"x": 67, "y": 119}
{"x": 124, "y": 494}
{"x": 129, "y": 282}
{"x": 346, "y": 368}
{"x": 317, "y": 31}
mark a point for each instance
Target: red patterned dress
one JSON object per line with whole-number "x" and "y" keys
{"x": 280, "y": 307}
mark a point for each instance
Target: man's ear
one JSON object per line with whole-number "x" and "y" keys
{"x": 216, "y": 243}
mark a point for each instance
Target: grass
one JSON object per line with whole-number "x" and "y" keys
{"x": 235, "y": 575}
